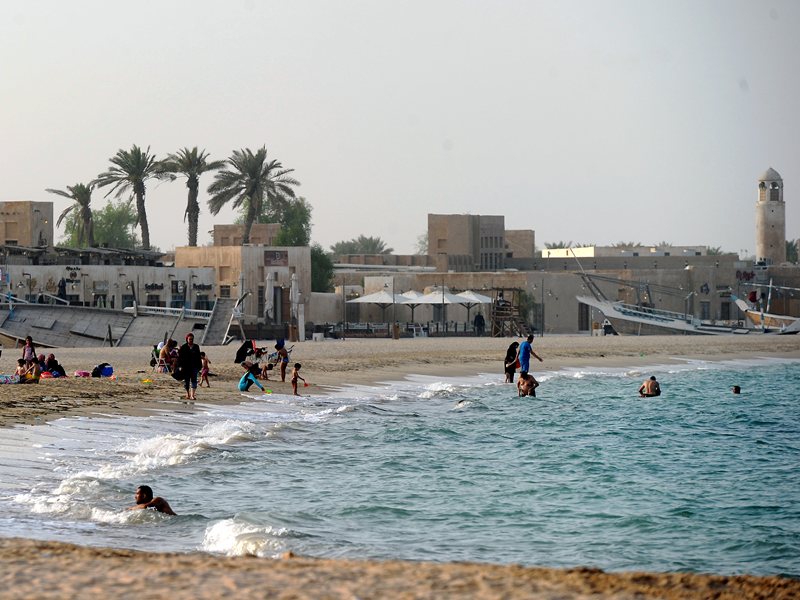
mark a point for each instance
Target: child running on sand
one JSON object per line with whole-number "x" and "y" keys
{"x": 295, "y": 377}
{"x": 204, "y": 362}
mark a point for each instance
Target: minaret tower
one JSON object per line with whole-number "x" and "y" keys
{"x": 770, "y": 219}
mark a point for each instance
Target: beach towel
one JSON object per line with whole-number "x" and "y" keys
{"x": 9, "y": 379}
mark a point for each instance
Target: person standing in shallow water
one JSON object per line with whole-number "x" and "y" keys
{"x": 510, "y": 362}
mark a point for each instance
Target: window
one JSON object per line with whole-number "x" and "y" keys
{"x": 224, "y": 291}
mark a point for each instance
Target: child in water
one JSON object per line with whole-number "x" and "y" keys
{"x": 295, "y": 377}
{"x": 204, "y": 362}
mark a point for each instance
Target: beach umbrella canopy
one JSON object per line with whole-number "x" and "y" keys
{"x": 411, "y": 300}
{"x": 440, "y": 296}
{"x": 269, "y": 296}
{"x": 470, "y": 299}
{"x": 382, "y": 298}
{"x": 294, "y": 294}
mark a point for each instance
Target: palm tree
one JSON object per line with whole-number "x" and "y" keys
{"x": 191, "y": 164}
{"x": 250, "y": 182}
{"x": 130, "y": 170}
{"x": 81, "y": 194}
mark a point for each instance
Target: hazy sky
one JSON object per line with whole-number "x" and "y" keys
{"x": 587, "y": 121}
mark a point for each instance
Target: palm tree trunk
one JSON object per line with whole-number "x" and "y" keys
{"x": 88, "y": 228}
{"x": 140, "y": 211}
{"x": 248, "y": 219}
{"x": 192, "y": 211}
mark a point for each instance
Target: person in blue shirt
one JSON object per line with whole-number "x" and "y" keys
{"x": 247, "y": 380}
{"x": 524, "y": 354}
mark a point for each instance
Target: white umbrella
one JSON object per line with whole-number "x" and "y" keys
{"x": 411, "y": 300}
{"x": 383, "y": 299}
{"x": 294, "y": 295}
{"x": 269, "y": 297}
{"x": 440, "y": 296}
{"x": 470, "y": 299}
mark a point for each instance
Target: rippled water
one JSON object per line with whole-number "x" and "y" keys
{"x": 446, "y": 470}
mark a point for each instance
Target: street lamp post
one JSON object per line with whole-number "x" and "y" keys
{"x": 191, "y": 285}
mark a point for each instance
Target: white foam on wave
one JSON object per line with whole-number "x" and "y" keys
{"x": 236, "y": 538}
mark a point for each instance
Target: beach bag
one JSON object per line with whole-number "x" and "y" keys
{"x": 103, "y": 370}
{"x": 82, "y": 374}
{"x": 178, "y": 374}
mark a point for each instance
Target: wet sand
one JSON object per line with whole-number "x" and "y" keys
{"x": 34, "y": 569}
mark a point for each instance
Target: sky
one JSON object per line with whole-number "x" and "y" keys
{"x": 587, "y": 121}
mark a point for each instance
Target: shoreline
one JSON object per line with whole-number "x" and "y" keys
{"x": 53, "y": 569}
{"x": 336, "y": 364}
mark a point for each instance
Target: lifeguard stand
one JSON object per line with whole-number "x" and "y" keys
{"x": 505, "y": 317}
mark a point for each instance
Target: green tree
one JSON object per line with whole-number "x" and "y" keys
{"x": 114, "y": 226}
{"x": 128, "y": 174}
{"x": 321, "y": 270}
{"x": 250, "y": 182}
{"x": 82, "y": 226}
{"x": 295, "y": 220}
{"x": 791, "y": 250}
{"x": 626, "y": 245}
{"x": 714, "y": 251}
{"x": 557, "y": 245}
{"x": 422, "y": 243}
{"x": 191, "y": 164}
{"x": 361, "y": 245}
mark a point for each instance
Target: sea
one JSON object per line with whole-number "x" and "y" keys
{"x": 442, "y": 469}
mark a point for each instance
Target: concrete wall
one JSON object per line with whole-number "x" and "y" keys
{"x": 231, "y": 235}
{"x": 521, "y": 243}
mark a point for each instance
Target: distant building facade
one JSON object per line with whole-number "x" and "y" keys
{"x": 25, "y": 223}
{"x": 475, "y": 242}
{"x": 231, "y": 235}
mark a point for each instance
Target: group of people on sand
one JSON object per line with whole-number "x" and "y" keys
{"x": 31, "y": 367}
{"x": 253, "y": 371}
{"x": 519, "y": 356}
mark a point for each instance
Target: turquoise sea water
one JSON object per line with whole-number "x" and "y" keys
{"x": 444, "y": 470}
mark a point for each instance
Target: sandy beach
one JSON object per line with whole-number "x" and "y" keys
{"x": 56, "y": 570}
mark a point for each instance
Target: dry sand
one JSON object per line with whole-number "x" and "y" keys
{"x": 33, "y": 569}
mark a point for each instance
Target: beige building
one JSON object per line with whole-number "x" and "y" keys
{"x": 613, "y": 251}
{"x": 254, "y": 270}
{"x": 26, "y": 223}
{"x": 475, "y": 242}
{"x": 231, "y": 235}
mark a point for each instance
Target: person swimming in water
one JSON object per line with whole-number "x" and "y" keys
{"x": 144, "y": 499}
{"x": 650, "y": 388}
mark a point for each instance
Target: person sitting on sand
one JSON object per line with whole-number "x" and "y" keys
{"x": 144, "y": 499}
{"x": 42, "y": 360}
{"x": 650, "y": 388}
{"x": 21, "y": 368}
{"x": 526, "y": 384}
{"x": 247, "y": 380}
{"x": 295, "y": 376}
{"x": 30, "y": 373}
{"x": 54, "y": 366}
